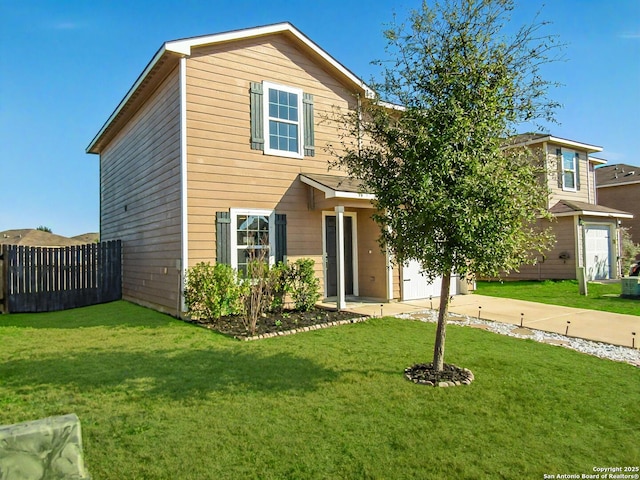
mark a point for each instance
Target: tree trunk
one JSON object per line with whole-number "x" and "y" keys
{"x": 441, "y": 332}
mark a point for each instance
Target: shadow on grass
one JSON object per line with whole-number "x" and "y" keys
{"x": 114, "y": 314}
{"x": 175, "y": 374}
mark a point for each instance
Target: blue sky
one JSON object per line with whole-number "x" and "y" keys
{"x": 65, "y": 65}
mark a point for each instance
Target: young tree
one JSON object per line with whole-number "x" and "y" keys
{"x": 448, "y": 193}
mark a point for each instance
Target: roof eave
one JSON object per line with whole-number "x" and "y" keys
{"x": 331, "y": 193}
{"x": 621, "y": 184}
{"x": 92, "y": 146}
{"x": 561, "y": 141}
{"x": 186, "y": 45}
{"x": 588, "y": 213}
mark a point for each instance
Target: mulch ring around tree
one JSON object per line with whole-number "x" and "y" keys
{"x": 280, "y": 323}
{"x": 450, "y": 376}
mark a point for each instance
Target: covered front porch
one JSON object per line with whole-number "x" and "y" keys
{"x": 354, "y": 267}
{"x": 596, "y": 231}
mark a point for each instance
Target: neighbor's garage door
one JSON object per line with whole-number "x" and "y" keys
{"x": 415, "y": 285}
{"x": 597, "y": 252}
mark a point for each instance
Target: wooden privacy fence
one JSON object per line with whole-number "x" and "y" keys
{"x": 39, "y": 279}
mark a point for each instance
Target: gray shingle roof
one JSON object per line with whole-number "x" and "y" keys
{"x": 618, "y": 174}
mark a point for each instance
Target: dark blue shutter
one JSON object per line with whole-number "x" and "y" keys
{"x": 223, "y": 238}
{"x": 577, "y": 160}
{"x": 281, "y": 237}
{"x": 257, "y": 117}
{"x": 309, "y": 135}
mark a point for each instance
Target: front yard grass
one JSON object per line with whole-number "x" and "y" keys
{"x": 601, "y": 296}
{"x": 162, "y": 399}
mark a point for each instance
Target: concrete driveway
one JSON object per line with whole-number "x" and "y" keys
{"x": 613, "y": 328}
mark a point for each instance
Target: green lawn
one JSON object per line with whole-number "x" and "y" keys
{"x": 563, "y": 292}
{"x": 162, "y": 399}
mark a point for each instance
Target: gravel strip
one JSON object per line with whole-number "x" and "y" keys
{"x": 598, "y": 349}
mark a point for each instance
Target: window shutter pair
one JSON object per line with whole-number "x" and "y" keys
{"x": 257, "y": 120}
{"x": 223, "y": 237}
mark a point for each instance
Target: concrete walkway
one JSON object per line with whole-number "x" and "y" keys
{"x": 613, "y": 328}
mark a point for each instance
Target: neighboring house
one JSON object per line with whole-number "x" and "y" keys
{"x": 219, "y": 149}
{"x": 618, "y": 186}
{"x": 587, "y": 235}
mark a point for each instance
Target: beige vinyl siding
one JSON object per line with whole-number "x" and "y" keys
{"x": 552, "y": 267}
{"x": 140, "y": 198}
{"x": 557, "y": 193}
{"x": 223, "y": 170}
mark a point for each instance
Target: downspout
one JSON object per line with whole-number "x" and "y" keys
{"x": 183, "y": 263}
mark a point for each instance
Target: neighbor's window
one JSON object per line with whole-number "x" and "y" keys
{"x": 568, "y": 170}
{"x": 283, "y": 120}
{"x": 252, "y": 232}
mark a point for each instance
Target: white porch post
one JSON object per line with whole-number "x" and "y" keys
{"x": 340, "y": 302}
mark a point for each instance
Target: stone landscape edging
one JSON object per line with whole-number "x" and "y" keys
{"x": 318, "y": 326}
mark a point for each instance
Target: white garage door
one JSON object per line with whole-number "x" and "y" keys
{"x": 597, "y": 252}
{"x": 415, "y": 285}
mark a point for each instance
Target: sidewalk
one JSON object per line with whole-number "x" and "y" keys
{"x": 613, "y": 328}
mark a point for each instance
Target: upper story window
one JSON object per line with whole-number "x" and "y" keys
{"x": 568, "y": 169}
{"x": 282, "y": 120}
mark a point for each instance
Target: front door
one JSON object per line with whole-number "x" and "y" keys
{"x": 332, "y": 256}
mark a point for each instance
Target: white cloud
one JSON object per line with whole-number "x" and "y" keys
{"x": 630, "y": 35}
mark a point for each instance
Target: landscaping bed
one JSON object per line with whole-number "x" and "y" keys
{"x": 277, "y": 322}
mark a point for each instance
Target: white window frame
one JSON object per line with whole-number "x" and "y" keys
{"x": 234, "y": 212}
{"x": 564, "y": 151}
{"x": 266, "y": 86}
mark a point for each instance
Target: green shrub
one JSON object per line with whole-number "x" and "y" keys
{"x": 212, "y": 291}
{"x": 279, "y": 285}
{"x": 215, "y": 291}
{"x": 629, "y": 251}
{"x": 303, "y": 286}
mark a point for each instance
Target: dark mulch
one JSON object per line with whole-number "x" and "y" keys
{"x": 276, "y": 322}
{"x": 426, "y": 374}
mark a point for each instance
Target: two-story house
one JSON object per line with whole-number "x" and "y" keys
{"x": 219, "y": 149}
{"x": 587, "y": 235}
{"x": 618, "y": 186}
